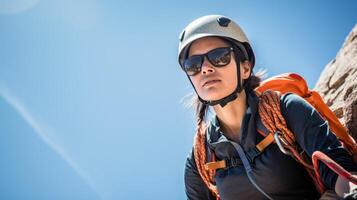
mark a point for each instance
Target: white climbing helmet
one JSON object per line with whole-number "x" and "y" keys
{"x": 214, "y": 25}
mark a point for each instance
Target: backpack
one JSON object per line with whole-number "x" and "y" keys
{"x": 291, "y": 82}
{"x": 269, "y": 92}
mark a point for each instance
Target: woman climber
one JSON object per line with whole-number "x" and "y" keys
{"x": 226, "y": 161}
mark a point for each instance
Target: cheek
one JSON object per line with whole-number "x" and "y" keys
{"x": 195, "y": 81}
{"x": 231, "y": 77}
{"x": 228, "y": 75}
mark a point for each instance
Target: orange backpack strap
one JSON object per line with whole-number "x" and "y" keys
{"x": 335, "y": 125}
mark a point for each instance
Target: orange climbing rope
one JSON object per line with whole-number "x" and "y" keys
{"x": 200, "y": 159}
{"x": 270, "y": 114}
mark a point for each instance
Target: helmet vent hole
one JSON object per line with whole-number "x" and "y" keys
{"x": 182, "y": 35}
{"x": 223, "y": 21}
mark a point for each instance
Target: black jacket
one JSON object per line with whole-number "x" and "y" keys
{"x": 279, "y": 175}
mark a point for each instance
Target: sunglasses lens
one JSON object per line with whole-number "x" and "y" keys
{"x": 193, "y": 65}
{"x": 217, "y": 57}
{"x": 220, "y": 57}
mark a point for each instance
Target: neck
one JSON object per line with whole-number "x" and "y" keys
{"x": 231, "y": 116}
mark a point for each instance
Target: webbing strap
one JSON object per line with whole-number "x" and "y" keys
{"x": 265, "y": 142}
{"x": 251, "y": 154}
{"x": 248, "y": 168}
{"x": 215, "y": 165}
{"x": 233, "y": 161}
{"x": 268, "y": 137}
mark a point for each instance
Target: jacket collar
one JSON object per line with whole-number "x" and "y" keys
{"x": 216, "y": 137}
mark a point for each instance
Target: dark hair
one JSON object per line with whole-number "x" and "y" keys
{"x": 255, "y": 79}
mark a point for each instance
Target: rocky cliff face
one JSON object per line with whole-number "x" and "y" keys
{"x": 338, "y": 83}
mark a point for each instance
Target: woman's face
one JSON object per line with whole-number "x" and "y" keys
{"x": 214, "y": 83}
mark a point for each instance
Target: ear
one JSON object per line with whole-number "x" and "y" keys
{"x": 246, "y": 66}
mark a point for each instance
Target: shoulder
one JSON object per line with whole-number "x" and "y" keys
{"x": 295, "y": 106}
{"x": 190, "y": 164}
{"x": 299, "y": 114}
{"x": 292, "y": 100}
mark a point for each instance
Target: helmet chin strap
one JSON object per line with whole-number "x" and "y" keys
{"x": 225, "y": 100}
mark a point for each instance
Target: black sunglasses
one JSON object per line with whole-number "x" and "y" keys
{"x": 218, "y": 57}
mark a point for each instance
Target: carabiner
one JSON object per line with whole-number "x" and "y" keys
{"x": 281, "y": 147}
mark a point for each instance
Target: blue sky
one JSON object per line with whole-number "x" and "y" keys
{"x": 91, "y": 93}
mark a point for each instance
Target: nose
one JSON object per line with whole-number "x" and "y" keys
{"x": 207, "y": 67}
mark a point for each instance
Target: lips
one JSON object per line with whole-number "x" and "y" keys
{"x": 210, "y": 82}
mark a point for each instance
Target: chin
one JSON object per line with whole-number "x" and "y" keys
{"x": 213, "y": 97}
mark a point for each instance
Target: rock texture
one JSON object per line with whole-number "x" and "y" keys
{"x": 338, "y": 83}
